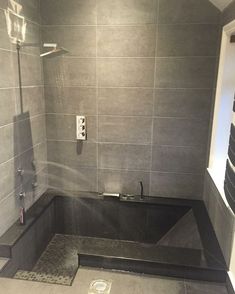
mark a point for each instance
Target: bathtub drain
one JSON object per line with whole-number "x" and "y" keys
{"x": 100, "y": 287}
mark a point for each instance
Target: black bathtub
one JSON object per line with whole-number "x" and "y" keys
{"x": 171, "y": 237}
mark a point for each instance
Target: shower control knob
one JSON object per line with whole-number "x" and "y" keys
{"x": 34, "y": 185}
{"x": 20, "y": 172}
{"x": 81, "y": 128}
{"x": 22, "y": 195}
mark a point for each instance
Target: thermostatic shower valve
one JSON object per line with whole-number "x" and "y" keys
{"x": 81, "y": 130}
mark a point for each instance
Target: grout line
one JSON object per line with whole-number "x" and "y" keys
{"x": 97, "y": 93}
{"x": 120, "y": 87}
{"x": 131, "y": 116}
{"x": 130, "y": 24}
{"x": 140, "y": 57}
{"x": 22, "y": 120}
{"x": 21, "y": 154}
{"x": 128, "y": 143}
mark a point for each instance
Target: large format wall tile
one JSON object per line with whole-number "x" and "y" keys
{"x": 124, "y": 156}
{"x": 79, "y": 72}
{"x": 126, "y": 72}
{"x": 180, "y": 132}
{"x": 72, "y": 154}
{"x": 125, "y": 101}
{"x": 125, "y": 129}
{"x": 7, "y": 143}
{"x": 179, "y": 159}
{"x": 129, "y": 41}
{"x": 7, "y": 75}
{"x": 119, "y": 181}
{"x": 191, "y": 72}
{"x": 127, "y": 11}
{"x": 143, "y": 72}
{"x": 176, "y": 185}
{"x": 187, "y": 40}
{"x": 78, "y": 40}
{"x": 73, "y": 12}
{"x": 69, "y": 179}
{"x": 188, "y": 11}
{"x": 71, "y": 100}
{"x": 190, "y": 103}
{"x": 31, "y": 9}
{"x": 7, "y": 106}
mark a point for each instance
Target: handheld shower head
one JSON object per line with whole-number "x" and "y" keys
{"x": 54, "y": 52}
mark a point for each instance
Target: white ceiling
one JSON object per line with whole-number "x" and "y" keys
{"x": 221, "y": 4}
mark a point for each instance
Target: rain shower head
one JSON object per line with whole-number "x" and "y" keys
{"x": 54, "y": 52}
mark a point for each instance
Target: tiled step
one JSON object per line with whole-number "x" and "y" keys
{"x": 3, "y": 263}
{"x": 183, "y": 234}
{"x": 149, "y": 259}
{"x": 43, "y": 277}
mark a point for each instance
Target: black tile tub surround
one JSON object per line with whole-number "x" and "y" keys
{"x": 130, "y": 223}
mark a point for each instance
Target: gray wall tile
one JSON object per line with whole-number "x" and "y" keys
{"x": 175, "y": 185}
{"x": 7, "y": 106}
{"x": 124, "y": 156}
{"x": 73, "y": 12}
{"x": 199, "y": 11}
{"x": 33, "y": 100}
{"x": 7, "y": 145}
{"x": 7, "y": 76}
{"x": 68, "y": 179}
{"x": 111, "y": 81}
{"x": 125, "y": 101}
{"x": 190, "y": 103}
{"x": 124, "y": 129}
{"x": 130, "y": 41}
{"x": 191, "y": 72}
{"x": 72, "y": 154}
{"x": 179, "y": 159}
{"x": 127, "y": 182}
{"x": 126, "y": 12}
{"x": 78, "y": 40}
{"x": 180, "y": 132}
{"x": 62, "y": 127}
{"x": 187, "y": 40}
{"x": 128, "y": 72}
{"x": 79, "y": 72}
{"x": 70, "y": 100}
{"x": 3, "y": 3}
